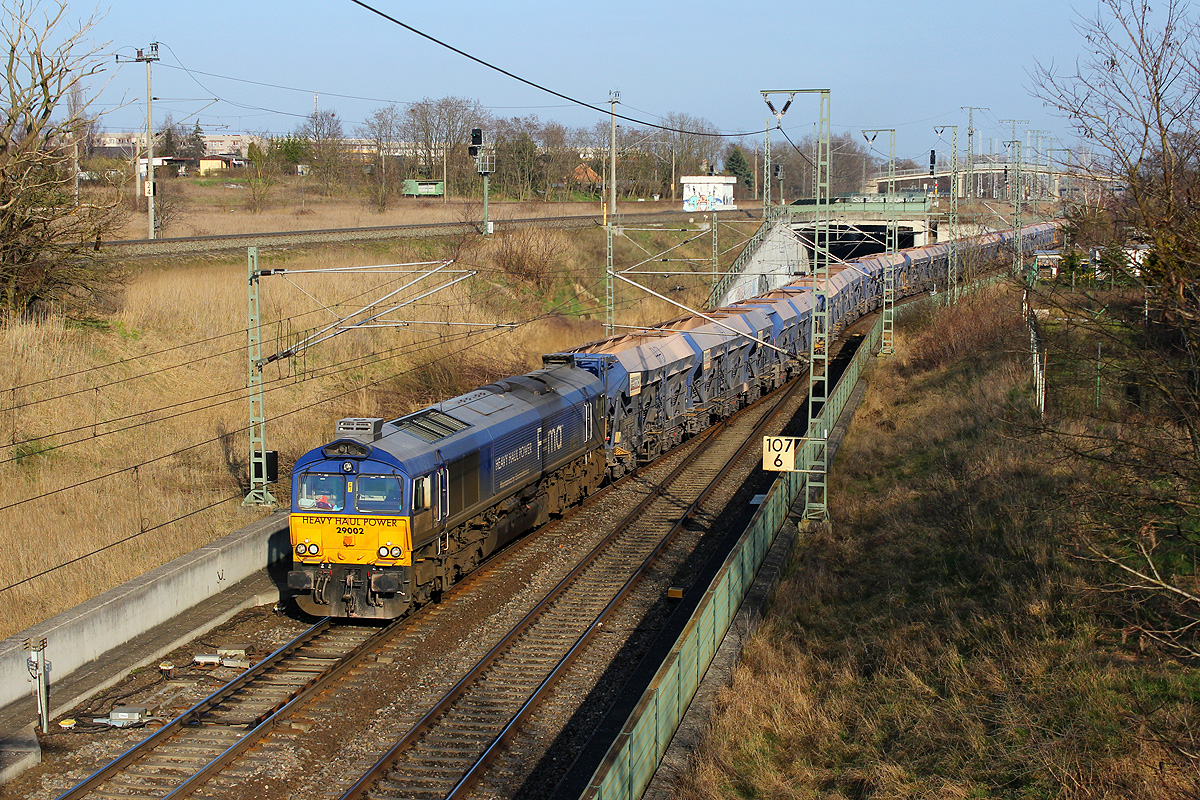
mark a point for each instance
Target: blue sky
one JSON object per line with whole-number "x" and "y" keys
{"x": 908, "y": 65}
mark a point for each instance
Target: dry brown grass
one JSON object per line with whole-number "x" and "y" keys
{"x": 215, "y": 206}
{"x": 936, "y": 640}
{"x": 159, "y": 384}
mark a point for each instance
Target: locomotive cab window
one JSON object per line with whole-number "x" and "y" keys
{"x": 421, "y": 494}
{"x": 378, "y": 493}
{"x": 321, "y": 492}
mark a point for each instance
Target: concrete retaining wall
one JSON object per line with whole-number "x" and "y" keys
{"x": 81, "y": 634}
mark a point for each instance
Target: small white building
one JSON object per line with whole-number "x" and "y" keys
{"x": 708, "y": 192}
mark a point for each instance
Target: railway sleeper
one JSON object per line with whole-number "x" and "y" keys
{"x": 412, "y": 768}
{"x": 458, "y": 738}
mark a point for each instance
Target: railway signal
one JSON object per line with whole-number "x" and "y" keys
{"x": 485, "y": 165}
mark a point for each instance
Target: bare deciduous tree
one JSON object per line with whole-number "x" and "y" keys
{"x": 264, "y": 168}
{"x": 1133, "y": 102}
{"x": 327, "y": 146}
{"x": 48, "y": 252}
{"x": 439, "y": 131}
{"x": 383, "y": 130}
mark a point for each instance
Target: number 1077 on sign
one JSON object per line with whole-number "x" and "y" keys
{"x": 780, "y": 453}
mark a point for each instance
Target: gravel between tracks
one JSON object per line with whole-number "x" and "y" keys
{"x": 541, "y": 754}
{"x": 320, "y": 755}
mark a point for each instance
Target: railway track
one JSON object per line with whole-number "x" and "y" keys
{"x": 450, "y": 748}
{"x": 205, "y": 749}
{"x": 235, "y": 241}
{"x": 189, "y": 749}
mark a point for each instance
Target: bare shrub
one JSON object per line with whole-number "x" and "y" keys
{"x": 530, "y": 255}
{"x": 169, "y": 207}
{"x": 979, "y": 324}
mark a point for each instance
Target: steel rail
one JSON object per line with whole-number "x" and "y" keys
{"x": 193, "y": 714}
{"x": 359, "y": 790}
{"x": 381, "y": 231}
{"x": 477, "y": 770}
{"x": 271, "y": 721}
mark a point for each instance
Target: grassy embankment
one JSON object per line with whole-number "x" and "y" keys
{"x": 946, "y": 636}
{"x": 218, "y": 205}
{"x": 125, "y": 432}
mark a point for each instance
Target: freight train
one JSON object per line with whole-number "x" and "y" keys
{"x": 390, "y": 513}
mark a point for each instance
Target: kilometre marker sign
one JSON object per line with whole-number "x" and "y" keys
{"x": 779, "y": 453}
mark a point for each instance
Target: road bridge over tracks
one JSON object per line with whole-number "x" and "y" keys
{"x": 781, "y": 250}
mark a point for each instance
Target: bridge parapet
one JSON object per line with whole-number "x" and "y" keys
{"x": 776, "y": 254}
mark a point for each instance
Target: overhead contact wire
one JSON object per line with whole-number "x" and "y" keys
{"x": 539, "y": 86}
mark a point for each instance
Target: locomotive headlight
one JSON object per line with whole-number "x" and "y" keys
{"x": 301, "y": 549}
{"x": 383, "y": 552}
{"x": 312, "y": 549}
{"x": 396, "y": 551}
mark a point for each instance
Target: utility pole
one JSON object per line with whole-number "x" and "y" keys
{"x": 816, "y": 502}
{"x": 712, "y": 220}
{"x": 756, "y": 184}
{"x": 260, "y": 459}
{"x": 952, "y": 261}
{"x": 1018, "y": 250}
{"x": 149, "y": 56}
{"x": 971, "y": 148}
{"x": 1037, "y": 155}
{"x": 767, "y": 174}
{"x": 887, "y": 338}
{"x": 614, "y": 97}
{"x": 814, "y": 170}
{"x": 673, "y": 181}
{"x": 816, "y": 497}
{"x": 1015, "y": 123}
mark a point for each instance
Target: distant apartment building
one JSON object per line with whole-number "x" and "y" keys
{"x": 128, "y": 142}
{"x": 230, "y": 144}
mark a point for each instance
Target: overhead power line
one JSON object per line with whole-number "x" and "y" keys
{"x": 422, "y": 346}
{"x": 538, "y": 86}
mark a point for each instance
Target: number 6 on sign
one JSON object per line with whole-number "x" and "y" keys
{"x": 779, "y": 453}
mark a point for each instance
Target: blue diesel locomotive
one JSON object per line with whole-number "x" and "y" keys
{"x": 392, "y": 512}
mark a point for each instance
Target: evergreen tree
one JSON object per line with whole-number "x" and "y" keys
{"x": 737, "y": 165}
{"x": 193, "y": 143}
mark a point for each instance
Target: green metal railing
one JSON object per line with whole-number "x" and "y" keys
{"x": 632, "y": 759}
{"x": 917, "y": 207}
{"x": 739, "y": 263}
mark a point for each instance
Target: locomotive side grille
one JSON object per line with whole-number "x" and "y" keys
{"x": 431, "y": 425}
